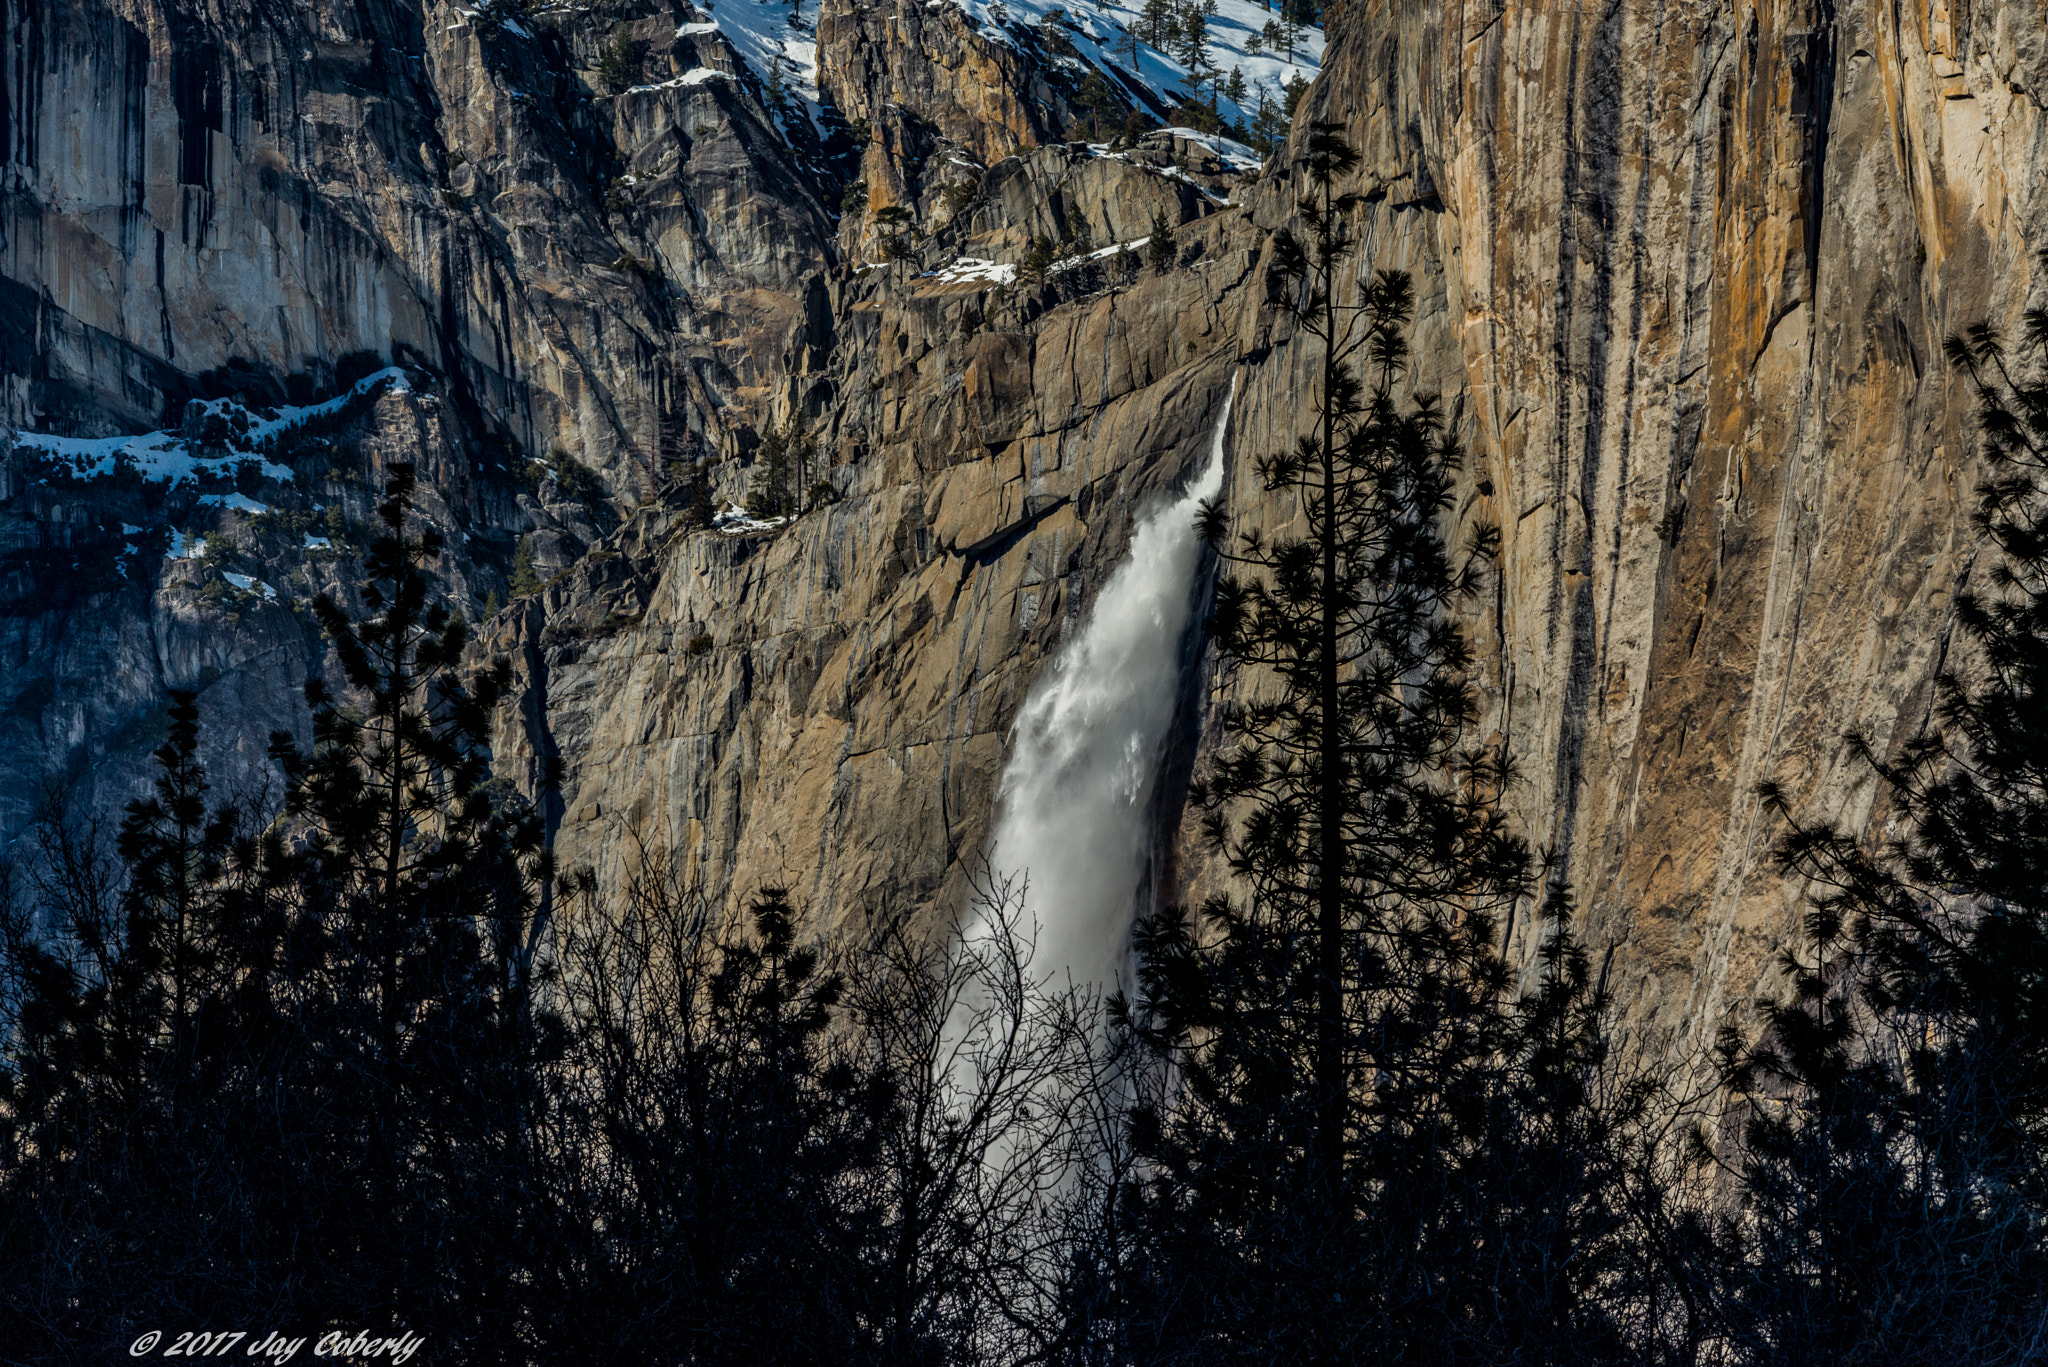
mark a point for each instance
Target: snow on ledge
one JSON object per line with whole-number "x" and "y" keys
{"x": 971, "y": 269}
{"x": 1229, "y": 151}
{"x": 736, "y": 519}
{"x": 696, "y": 75}
{"x": 249, "y": 583}
{"x": 165, "y": 455}
{"x": 1134, "y": 245}
{"x": 238, "y": 502}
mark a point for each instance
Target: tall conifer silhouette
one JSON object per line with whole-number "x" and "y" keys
{"x": 1330, "y": 1028}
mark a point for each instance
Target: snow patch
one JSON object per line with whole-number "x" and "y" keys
{"x": 249, "y": 583}
{"x": 236, "y": 501}
{"x": 1229, "y": 151}
{"x": 762, "y": 37}
{"x": 1133, "y": 245}
{"x": 1101, "y": 34}
{"x": 970, "y": 268}
{"x": 697, "y": 75}
{"x": 735, "y": 519}
{"x": 165, "y": 455}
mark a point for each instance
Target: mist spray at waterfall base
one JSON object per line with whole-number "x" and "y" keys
{"x": 1075, "y": 802}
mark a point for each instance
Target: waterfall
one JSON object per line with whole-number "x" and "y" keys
{"x": 1074, "y": 803}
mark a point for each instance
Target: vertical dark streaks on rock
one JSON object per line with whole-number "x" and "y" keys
{"x": 163, "y": 306}
{"x": 22, "y": 90}
{"x": 1586, "y": 252}
{"x": 1561, "y": 336}
{"x": 135, "y": 117}
{"x": 196, "y": 94}
{"x": 1696, "y": 307}
{"x": 1813, "y": 100}
{"x": 1597, "y": 876}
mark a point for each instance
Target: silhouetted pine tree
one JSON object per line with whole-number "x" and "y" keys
{"x": 288, "y": 1075}
{"x": 701, "y": 1151}
{"x": 1364, "y": 1145}
{"x": 418, "y": 932}
{"x": 126, "y": 1045}
{"x": 1570, "y": 1244}
{"x": 1894, "y": 1157}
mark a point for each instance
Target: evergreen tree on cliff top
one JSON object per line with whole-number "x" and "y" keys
{"x": 1895, "y": 1155}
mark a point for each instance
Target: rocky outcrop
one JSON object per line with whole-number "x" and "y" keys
{"x": 265, "y": 202}
{"x": 916, "y": 80}
{"x": 825, "y": 706}
{"x": 1117, "y": 197}
{"x": 1692, "y": 272}
{"x": 226, "y": 202}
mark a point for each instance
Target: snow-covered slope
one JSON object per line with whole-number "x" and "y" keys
{"x": 778, "y": 43}
{"x": 1100, "y": 32}
{"x": 232, "y": 433}
{"x": 772, "y": 37}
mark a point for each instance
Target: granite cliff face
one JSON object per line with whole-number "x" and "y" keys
{"x": 1693, "y": 268}
{"x": 263, "y": 201}
{"x": 1685, "y": 271}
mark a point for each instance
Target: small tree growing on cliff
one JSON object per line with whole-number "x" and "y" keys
{"x": 898, "y": 233}
{"x": 783, "y": 466}
{"x": 1160, "y": 249}
{"x": 618, "y": 66}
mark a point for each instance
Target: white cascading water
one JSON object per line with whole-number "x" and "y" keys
{"x": 1075, "y": 799}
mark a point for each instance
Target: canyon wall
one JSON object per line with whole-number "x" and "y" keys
{"x": 1700, "y": 262}
{"x": 262, "y": 200}
{"x": 1684, "y": 272}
